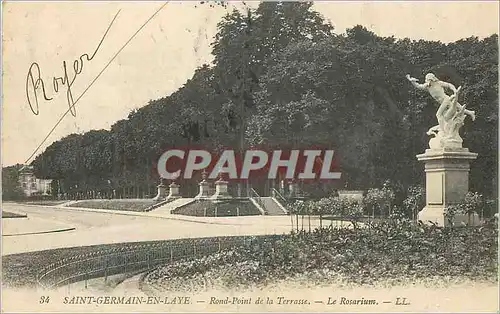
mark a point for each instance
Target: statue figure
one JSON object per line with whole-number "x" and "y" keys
{"x": 450, "y": 114}
{"x": 204, "y": 175}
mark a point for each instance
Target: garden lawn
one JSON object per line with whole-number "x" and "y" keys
{"x": 45, "y": 202}
{"x": 224, "y": 208}
{"x": 137, "y": 205}
{"x": 12, "y": 215}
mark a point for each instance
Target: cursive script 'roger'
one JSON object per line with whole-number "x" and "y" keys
{"x": 35, "y": 83}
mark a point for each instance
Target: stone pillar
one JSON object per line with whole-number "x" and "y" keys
{"x": 174, "y": 191}
{"x": 221, "y": 190}
{"x": 446, "y": 183}
{"x": 204, "y": 190}
{"x": 162, "y": 192}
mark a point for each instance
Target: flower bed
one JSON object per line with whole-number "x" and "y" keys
{"x": 223, "y": 208}
{"x": 44, "y": 202}
{"x": 393, "y": 251}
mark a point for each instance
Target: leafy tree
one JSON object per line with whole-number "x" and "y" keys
{"x": 414, "y": 201}
{"x": 281, "y": 77}
{"x": 379, "y": 201}
{"x": 11, "y": 189}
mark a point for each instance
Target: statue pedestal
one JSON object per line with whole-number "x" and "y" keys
{"x": 162, "y": 192}
{"x": 204, "y": 190}
{"x": 446, "y": 183}
{"x": 293, "y": 189}
{"x": 174, "y": 191}
{"x": 221, "y": 190}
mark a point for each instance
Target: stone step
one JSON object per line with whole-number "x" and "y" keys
{"x": 170, "y": 206}
{"x": 273, "y": 207}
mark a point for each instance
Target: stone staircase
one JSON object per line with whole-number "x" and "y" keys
{"x": 267, "y": 205}
{"x": 157, "y": 205}
{"x": 273, "y": 207}
{"x": 170, "y": 206}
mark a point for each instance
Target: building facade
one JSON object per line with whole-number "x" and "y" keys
{"x": 31, "y": 185}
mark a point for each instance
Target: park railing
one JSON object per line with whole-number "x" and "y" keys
{"x": 134, "y": 257}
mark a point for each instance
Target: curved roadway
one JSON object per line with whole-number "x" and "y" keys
{"x": 91, "y": 227}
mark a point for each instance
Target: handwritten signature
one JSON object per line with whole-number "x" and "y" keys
{"x": 34, "y": 82}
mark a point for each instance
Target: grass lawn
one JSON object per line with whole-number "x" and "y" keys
{"x": 137, "y": 205}
{"x": 12, "y": 215}
{"x": 45, "y": 202}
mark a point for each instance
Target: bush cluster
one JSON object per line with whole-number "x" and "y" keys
{"x": 381, "y": 203}
{"x": 474, "y": 203}
{"x": 117, "y": 204}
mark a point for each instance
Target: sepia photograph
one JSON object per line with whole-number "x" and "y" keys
{"x": 231, "y": 156}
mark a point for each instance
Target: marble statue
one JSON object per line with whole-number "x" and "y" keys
{"x": 450, "y": 114}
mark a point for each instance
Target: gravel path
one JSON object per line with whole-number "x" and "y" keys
{"x": 91, "y": 227}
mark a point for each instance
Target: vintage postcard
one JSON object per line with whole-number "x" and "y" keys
{"x": 220, "y": 156}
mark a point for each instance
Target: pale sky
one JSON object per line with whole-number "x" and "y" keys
{"x": 163, "y": 55}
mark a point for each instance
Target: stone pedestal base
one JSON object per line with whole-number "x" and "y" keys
{"x": 174, "y": 191}
{"x": 204, "y": 190}
{"x": 446, "y": 183}
{"x": 436, "y": 214}
{"x": 161, "y": 194}
{"x": 221, "y": 190}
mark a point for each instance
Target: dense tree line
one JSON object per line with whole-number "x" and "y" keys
{"x": 282, "y": 76}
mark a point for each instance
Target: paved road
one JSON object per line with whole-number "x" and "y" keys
{"x": 103, "y": 227}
